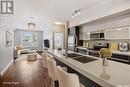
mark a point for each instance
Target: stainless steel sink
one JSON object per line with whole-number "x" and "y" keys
{"x": 80, "y": 58}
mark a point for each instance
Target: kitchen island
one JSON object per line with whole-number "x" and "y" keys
{"x": 114, "y": 75}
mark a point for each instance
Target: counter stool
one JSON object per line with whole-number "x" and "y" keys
{"x": 52, "y": 71}
{"x": 66, "y": 79}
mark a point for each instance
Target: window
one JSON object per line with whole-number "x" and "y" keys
{"x": 28, "y": 39}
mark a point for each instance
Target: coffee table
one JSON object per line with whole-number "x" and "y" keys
{"x": 23, "y": 57}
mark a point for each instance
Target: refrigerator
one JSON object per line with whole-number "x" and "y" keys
{"x": 72, "y": 42}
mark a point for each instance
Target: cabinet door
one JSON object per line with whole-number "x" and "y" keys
{"x": 84, "y": 36}
{"x": 119, "y": 33}
{"x": 80, "y": 36}
{"x": 117, "y": 23}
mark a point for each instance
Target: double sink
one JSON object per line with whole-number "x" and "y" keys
{"x": 80, "y": 58}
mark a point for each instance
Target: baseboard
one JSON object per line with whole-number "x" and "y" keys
{"x": 6, "y": 68}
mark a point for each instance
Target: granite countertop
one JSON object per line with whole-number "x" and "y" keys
{"x": 113, "y": 75}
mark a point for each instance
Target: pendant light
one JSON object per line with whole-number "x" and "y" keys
{"x": 31, "y": 24}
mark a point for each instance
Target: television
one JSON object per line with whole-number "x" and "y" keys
{"x": 46, "y": 43}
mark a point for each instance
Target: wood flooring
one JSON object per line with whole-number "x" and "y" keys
{"x": 26, "y": 74}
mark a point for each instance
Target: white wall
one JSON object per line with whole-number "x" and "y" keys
{"x": 107, "y": 7}
{"x": 6, "y": 53}
{"x": 24, "y": 9}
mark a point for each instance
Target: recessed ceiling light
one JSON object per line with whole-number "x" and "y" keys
{"x": 58, "y": 23}
{"x": 119, "y": 29}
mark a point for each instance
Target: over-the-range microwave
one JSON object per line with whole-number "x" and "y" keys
{"x": 97, "y": 35}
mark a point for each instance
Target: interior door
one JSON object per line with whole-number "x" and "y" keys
{"x": 58, "y": 40}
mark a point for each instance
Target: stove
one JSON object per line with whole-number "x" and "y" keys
{"x": 84, "y": 59}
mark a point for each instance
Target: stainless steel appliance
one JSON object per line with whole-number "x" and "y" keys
{"x": 123, "y": 46}
{"x": 97, "y": 35}
{"x": 98, "y": 46}
{"x": 72, "y": 42}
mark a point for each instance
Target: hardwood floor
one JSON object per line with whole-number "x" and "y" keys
{"x": 26, "y": 74}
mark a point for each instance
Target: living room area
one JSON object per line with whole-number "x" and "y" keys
{"x": 27, "y": 43}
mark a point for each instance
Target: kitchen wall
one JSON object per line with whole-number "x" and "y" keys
{"x": 6, "y": 53}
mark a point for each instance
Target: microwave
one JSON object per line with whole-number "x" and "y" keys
{"x": 97, "y": 35}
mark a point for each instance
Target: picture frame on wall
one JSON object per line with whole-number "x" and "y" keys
{"x": 8, "y": 39}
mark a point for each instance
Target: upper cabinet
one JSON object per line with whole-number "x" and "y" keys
{"x": 116, "y": 26}
{"x": 84, "y": 33}
{"x": 118, "y": 33}
{"x": 117, "y": 22}
{"x": 84, "y": 36}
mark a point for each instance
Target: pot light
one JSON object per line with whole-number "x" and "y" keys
{"x": 119, "y": 29}
{"x": 58, "y": 23}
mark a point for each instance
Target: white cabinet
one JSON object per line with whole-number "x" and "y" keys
{"x": 80, "y": 36}
{"x": 84, "y": 36}
{"x": 84, "y": 33}
{"x": 117, "y": 23}
{"x": 118, "y": 33}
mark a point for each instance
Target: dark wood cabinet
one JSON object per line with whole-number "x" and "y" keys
{"x": 82, "y": 51}
{"x": 120, "y": 58}
{"x": 93, "y": 53}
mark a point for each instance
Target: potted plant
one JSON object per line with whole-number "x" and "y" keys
{"x": 105, "y": 53}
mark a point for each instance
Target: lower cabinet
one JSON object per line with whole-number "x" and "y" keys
{"x": 92, "y": 53}
{"x": 120, "y": 58}
{"x": 82, "y": 51}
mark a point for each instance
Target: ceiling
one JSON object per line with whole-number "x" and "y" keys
{"x": 56, "y": 10}
{"x": 48, "y": 11}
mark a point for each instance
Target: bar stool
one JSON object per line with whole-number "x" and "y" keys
{"x": 44, "y": 60}
{"x": 66, "y": 79}
{"x": 52, "y": 71}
